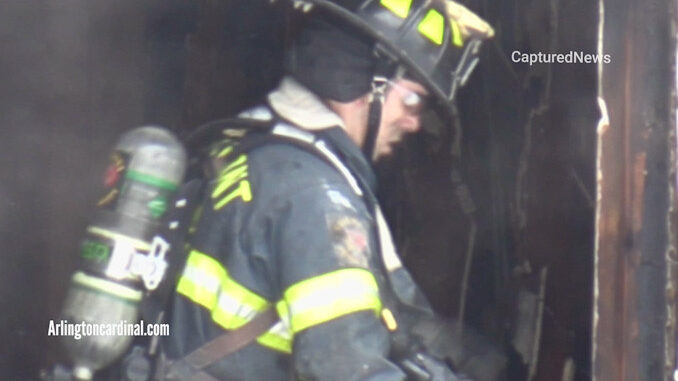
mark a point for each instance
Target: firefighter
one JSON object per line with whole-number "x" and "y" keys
{"x": 290, "y": 230}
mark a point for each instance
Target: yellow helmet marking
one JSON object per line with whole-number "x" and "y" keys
{"x": 400, "y": 7}
{"x": 457, "y": 37}
{"x": 433, "y": 26}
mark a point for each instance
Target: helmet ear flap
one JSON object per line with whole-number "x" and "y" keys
{"x": 334, "y": 62}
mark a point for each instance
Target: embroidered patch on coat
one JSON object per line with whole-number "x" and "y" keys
{"x": 350, "y": 240}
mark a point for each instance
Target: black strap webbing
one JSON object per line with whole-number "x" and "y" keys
{"x": 373, "y": 121}
{"x": 158, "y": 301}
{"x": 213, "y": 131}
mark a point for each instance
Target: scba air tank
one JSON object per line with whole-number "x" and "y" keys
{"x": 122, "y": 253}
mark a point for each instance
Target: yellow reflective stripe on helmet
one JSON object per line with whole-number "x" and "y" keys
{"x": 433, "y": 26}
{"x": 329, "y": 296}
{"x": 457, "y": 36}
{"x": 400, "y": 7}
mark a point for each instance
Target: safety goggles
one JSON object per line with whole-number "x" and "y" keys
{"x": 413, "y": 101}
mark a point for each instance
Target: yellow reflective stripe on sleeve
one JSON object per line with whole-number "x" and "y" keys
{"x": 207, "y": 283}
{"x": 197, "y": 292}
{"x": 230, "y": 313}
{"x": 329, "y": 296}
{"x": 201, "y": 279}
{"x": 400, "y": 7}
{"x": 237, "y": 305}
{"x": 457, "y": 36}
{"x": 234, "y": 310}
{"x": 231, "y": 305}
{"x": 433, "y": 26}
{"x": 279, "y": 337}
{"x": 283, "y": 311}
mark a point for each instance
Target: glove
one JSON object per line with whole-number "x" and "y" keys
{"x": 472, "y": 354}
{"x": 423, "y": 367}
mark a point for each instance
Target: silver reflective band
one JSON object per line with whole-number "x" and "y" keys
{"x": 282, "y": 329}
{"x": 236, "y": 307}
{"x": 288, "y": 131}
{"x": 202, "y": 278}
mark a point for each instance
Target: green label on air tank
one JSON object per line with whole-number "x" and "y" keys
{"x": 157, "y": 206}
{"x": 95, "y": 251}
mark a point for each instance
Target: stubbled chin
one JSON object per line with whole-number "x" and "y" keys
{"x": 383, "y": 153}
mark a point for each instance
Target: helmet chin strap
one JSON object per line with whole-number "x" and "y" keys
{"x": 376, "y": 100}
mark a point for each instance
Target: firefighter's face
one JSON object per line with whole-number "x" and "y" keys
{"x": 400, "y": 114}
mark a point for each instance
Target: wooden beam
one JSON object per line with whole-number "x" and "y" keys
{"x": 634, "y": 170}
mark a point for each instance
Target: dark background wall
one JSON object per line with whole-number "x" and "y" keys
{"x": 71, "y": 82}
{"x": 75, "y": 74}
{"x": 528, "y": 157}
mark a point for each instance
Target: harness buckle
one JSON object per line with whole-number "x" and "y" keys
{"x": 378, "y": 93}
